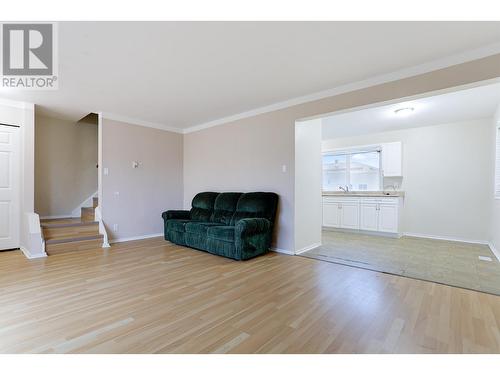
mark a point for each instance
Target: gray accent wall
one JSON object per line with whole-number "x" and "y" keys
{"x": 134, "y": 198}
{"x": 65, "y": 165}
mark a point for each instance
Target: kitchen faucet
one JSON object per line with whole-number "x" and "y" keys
{"x": 345, "y": 188}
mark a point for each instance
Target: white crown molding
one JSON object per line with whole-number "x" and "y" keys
{"x": 135, "y": 121}
{"x": 457, "y": 59}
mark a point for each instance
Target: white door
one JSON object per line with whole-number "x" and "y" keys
{"x": 9, "y": 187}
{"x": 369, "y": 216}
{"x": 388, "y": 218}
{"x": 349, "y": 213}
{"x": 331, "y": 215}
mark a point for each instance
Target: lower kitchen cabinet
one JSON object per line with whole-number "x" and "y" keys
{"x": 373, "y": 214}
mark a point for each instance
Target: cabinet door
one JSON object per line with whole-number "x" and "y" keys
{"x": 369, "y": 216}
{"x": 388, "y": 218}
{"x": 331, "y": 215}
{"x": 349, "y": 214}
{"x": 392, "y": 159}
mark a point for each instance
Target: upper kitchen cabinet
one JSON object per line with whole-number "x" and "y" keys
{"x": 392, "y": 160}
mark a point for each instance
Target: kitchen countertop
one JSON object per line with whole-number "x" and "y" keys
{"x": 364, "y": 193}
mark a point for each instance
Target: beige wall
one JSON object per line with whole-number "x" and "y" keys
{"x": 135, "y": 198}
{"x": 447, "y": 177}
{"x": 248, "y": 154}
{"x": 65, "y": 165}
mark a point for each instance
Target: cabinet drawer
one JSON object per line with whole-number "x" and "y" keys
{"x": 381, "y": 200}
{"x": 340, "y": 200}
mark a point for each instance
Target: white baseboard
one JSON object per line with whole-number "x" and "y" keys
{"x": 281, "y": 251}
{"x": 146, "y": 236}
{"x": 360, "y": 231}
{"x": 28, "y": 255}
{"x": 307, "y": 248}
{"x": 494, "y": 250}
{"x": 444, "y": 238}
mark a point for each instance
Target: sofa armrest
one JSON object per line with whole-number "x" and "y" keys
{"x": 175, "y": 214}
{"x": 252, "y": 237}
{"x": 250, "y": 227}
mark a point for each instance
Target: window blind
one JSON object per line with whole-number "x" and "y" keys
{"x": 497, "y": 166}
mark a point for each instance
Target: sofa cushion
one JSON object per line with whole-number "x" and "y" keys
{"x": 203, "y": 206}
{"x": 252, "y": 205}
{"x": 196, "y": 240}
{"x": 177, "y": 237}
{"x": 223, "y": 248}
{"x": 199, "y": 227}
{"x": 222, "y": 233}
{"x": 224, "y": 207}
{"x": 177, "y": 225}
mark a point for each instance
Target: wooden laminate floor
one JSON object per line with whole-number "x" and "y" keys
{"x": 151, "y": 296}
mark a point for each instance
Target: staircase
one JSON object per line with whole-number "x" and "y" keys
{"x": 72, "y": 234}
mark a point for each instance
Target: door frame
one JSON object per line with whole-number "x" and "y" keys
{"x": 17, "y": 205}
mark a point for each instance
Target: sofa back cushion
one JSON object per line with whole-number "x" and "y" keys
{"x": 224, "y": 208}
{"x": 251, "y": 205}
{"x": 203, "y": 206}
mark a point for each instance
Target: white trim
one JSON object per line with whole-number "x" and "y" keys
{"x": 444, "y": 238}
{"x": 456, "y": 59}
{"x": 139, "y": 122}
{"x": 494, "y": 250}
{"x": 497, "y": 162}
{"x": 116, "y": 240}
{"x": 29, "y": 256}
{"x": 362, "y": 231}
{"x": 86, "y": 203}
{"x": 461, "y": 58}
{"x": 281, "y": 251}
{"x": 307, "y": 248}
{"x": 102, "y": 227}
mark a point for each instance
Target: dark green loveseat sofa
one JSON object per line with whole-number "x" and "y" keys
{"x": 234, "y": 225}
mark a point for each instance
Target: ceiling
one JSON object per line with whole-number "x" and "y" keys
{"x": 475, "y": 103}
{"x": 183, "y": 74}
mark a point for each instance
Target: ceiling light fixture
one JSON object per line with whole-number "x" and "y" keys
{"x": 405, "y": 111}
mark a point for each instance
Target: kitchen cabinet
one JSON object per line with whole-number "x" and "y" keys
{"x": 370, "y": 214}
{"x": 392, "y": 159}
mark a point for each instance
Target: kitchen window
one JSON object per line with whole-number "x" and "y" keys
{"x": 359, "y": 170}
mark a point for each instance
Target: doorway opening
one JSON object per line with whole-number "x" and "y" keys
{"x": 405, "y": 187}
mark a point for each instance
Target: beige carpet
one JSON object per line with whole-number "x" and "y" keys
{"x": 445, "y": 262}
